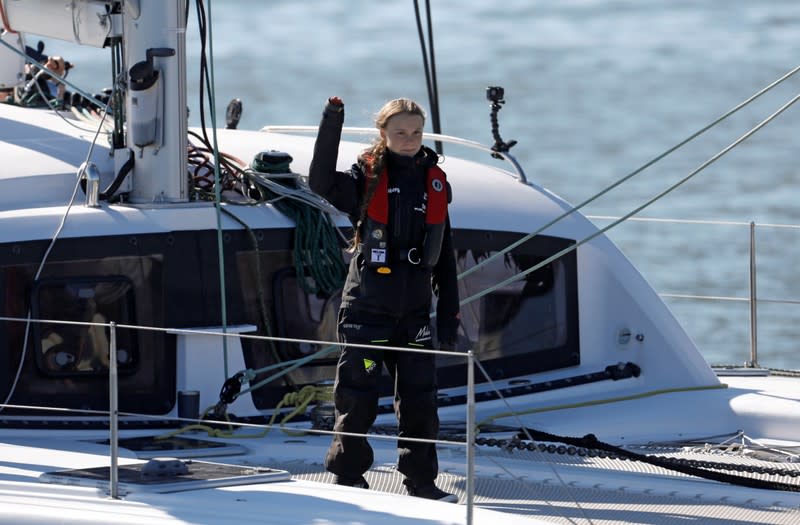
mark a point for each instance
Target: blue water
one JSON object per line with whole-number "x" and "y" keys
{"x": 594, "y": 89}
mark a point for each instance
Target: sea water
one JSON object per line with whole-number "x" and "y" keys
{"x": 594, "y": 89}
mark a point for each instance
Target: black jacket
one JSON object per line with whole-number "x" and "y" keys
{"x": 407, "y": 290}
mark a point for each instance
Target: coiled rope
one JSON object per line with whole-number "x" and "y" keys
{"x": 317, "y": 250}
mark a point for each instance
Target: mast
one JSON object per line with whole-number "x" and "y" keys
{"x": 153, "y": 34}
{"x": 154, "y": 43}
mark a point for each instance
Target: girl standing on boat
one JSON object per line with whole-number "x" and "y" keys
{"x": 396, "y": 197}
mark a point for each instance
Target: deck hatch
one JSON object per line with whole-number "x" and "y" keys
{"x": 138, "y": 477}
{"x": 147, "y": 447}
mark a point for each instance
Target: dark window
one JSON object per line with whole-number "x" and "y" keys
{"x": 74, "y": 349}
{"x": 66, "y": 366}
{"x": 527, "y": 315}
{"x": 272, "y": 295}
{"x": 526, "y": 326}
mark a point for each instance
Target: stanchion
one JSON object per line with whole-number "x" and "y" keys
{"x": 753, "y": 306}
{"x": 470, "y": 435}
{"x": 113, "y": 410}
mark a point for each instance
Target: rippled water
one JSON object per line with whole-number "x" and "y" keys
{"x": 594, "y": 89}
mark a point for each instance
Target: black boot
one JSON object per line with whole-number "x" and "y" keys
{"x": 429, "y": 490}
{"x": 359, "y": 482}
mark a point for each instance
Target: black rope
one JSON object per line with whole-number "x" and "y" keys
{"x": 109, "y": 194}
{"x": 684, "y": 466}
{"x": 429, "y": 64}
{"x": 204, "y": 76}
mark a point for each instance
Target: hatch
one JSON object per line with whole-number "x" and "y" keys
{"x": 164, "y": 475}
{"x": 148, "y": 447}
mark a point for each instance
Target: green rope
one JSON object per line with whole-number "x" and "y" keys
{"x": 317, "y": 251}
{"x": 297, "y": 363}
{"x": 217, "y": 193}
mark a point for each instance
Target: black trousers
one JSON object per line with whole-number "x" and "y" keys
{"x": 358, "y": 374}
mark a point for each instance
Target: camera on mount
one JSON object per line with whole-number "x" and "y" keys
{"x": 495, "y": 94}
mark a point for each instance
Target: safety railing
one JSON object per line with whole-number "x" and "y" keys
{"x": 447, "y": 139}
{"x": 749, "y": 237}
{"x": 114, "y": 412}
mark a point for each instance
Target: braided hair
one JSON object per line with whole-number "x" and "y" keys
{"x": 373, "y": 159}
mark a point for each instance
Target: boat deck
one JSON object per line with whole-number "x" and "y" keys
{"x": 637, "y": 494}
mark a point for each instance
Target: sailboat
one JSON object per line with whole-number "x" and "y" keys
{"x": 168, "y": 327}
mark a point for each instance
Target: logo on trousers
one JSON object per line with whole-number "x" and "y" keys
{"x": 424, "y": 334}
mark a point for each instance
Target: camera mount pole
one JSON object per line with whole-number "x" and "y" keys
{"x": 495, "y": 95}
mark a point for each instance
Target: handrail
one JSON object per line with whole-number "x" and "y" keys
{"x": 710, "y": 222}
{"x": 113, "y": 412}
{"x": 752, "y": 299}
{"x": 448, "y": 139}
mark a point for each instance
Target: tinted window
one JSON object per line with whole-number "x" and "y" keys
{"x": 83, "y": 349}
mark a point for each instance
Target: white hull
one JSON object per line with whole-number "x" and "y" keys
{"x": 582, "y": 346}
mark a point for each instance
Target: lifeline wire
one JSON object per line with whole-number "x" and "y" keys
{"x": 623, "y": 218}
{"x": 704, "y": 165}
{"x": 430, "y": 70}
{"x": 636, "y": 210}
{"x": 632, "y": 174}
{"x": 522, "y": 426}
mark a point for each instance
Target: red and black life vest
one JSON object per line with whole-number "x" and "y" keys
{"x": 375, "y": 238}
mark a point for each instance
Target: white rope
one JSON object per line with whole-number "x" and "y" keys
{"x": 47, "y": 254}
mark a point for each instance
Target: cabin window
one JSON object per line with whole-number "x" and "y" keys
{"x": 526, "y": 326}
{"x": 66, "y": 366}
{"x": 73, "y": 349}
{"x": 272, "y": 295}
{"x": 303, "y": 315}
{"x": 526, "y": 315}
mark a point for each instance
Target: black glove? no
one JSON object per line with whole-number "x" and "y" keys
{"x": 447, "y": 333}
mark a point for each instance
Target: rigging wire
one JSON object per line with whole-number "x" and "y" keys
{"x": 632, "y": 174}
{"x": 636, "y": 210}
{"x": 627, "y": 216}
{"x": 429, "y": 64}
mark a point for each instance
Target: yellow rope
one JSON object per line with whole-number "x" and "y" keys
{"x": 300, "y": 399}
